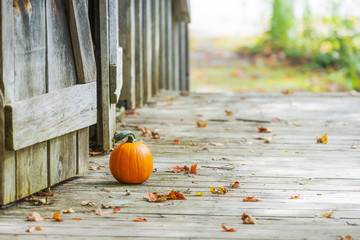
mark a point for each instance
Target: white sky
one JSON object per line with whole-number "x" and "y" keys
{"x": 214, "y": 18}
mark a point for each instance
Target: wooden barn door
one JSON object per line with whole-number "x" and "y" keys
{"x": 48, "y": 73}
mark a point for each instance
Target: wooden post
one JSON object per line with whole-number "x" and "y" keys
{"x": 127, "y": 42}
{"x": 187, "y": 61}
{"x": 183, "y": 54}
{"x": 169, "y": 46}
{"x": 155, "y": 37}
{"x": 139, "y": 53}
{"x": 162, "y": 55}
{"x": 176, "y": 55}
{"x": 147, "y": 50}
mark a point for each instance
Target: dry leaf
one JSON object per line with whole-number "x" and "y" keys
{"x": 228, "y": 229}
{"x": 287, "y": 92}
{"x": 30, "y": 229}
{"x": 38, "y": 228}
{"x": 251, "y": 199}
{"x": 199, "y": 193}
{"x": 47, "y": 193}
{"x": 351, "y": 224}
{"x": 100, "y": 212}
{"x": 76, "y": 218}
{"x": 228, "y": 113}
{"x": 87, "y": 202}
{"x": 106, "y": 206}
{"x": 56, "y": 217}
{"x": 175, "y": 195}
{"x": 353, "y": 146}
{"x": 131, "y": 112}
{"x": 186, "y": 169}
{"x": 217, "y": 144}
{"x": 176, "y": 169}
{"x": 263, "y": 130}
{"x": 139, "y": 220}
{"x": 176, "y": 142}
{"x": 248, "y": 219}
{"x": 323, "y": 139}
{"x": 296, "y": 196}
{"x": 34, "y": 217}
{"x": 127, "y": 192}
{"x": 220, "y": 190}
{"x": 266, "y": 140}
{"x": 327, "y": 214}
{"x": 94, "y": 168}
{"x": 201, "y": 125}
{"x": 116, "y": 209}
{"x": 347, "y": 237}
{"x": 70, "y": 210}
{"x": 184, "y": 94}
{"x": 154, "y": 197}
{"x": 235, "y": 184}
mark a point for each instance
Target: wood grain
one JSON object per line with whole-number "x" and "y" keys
{"x": 182, "y": 10}
{"x": 139, "y": 61}
{"x": 169, "y": 46}
{"x": 81, "y": 39}
{"x": 147, "y": 50}
{"x": 176, "y": 54}
{"x": 50, "y": 115}
{"x": 162, "y": 54}
{"x": 155, "y": 40}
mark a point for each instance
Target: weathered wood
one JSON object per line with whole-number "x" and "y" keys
{"x": 81, "y": 39}
{"x": 181, "y": 9}
{"x": 62, "y": 150}
{"x": 82, "y": 150}
{"x": 176, "y": 55}
{"x": 7, "y": 78}
{"x": 147, "y": 50}
{"x": 169, "y": 46}
{"x": 127, "y": 42}
{"x": 162, "y": 54}
{"x": 139, "y": 69}
{"x": 115, "y": 54}
{"x": 50, "y": 115}
{"x": 187, "y": 59}
{"x": 155, "y": 40}
{"x": 183, "y": 57}
{"x": 30, "y": 81}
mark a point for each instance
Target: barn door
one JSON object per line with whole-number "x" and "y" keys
{"x": 49, "y": 75}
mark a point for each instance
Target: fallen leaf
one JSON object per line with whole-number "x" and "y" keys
{"x": 116, "y": 209}
{"x": 353, "y": 146}
{"x": 228, "y": 229}
{"x": 154, "y": 197}
{"x": 139, "y": 220}
{"x": 251, "y": 199}
{"x": 46, "y": 193}
{"x": 56, "y": 217}
{"x": 193, "y": 169}
{"x": 295, "y": 197}
{"x": 107, "y": 206}
{"x": 94, "y": 168}
{"x": 351, "y": 224}
{"x": 248, "y": 219}
{"x": 266, "y": 140}
{"x": 38, "y": 229}
{"x": 175, "y": 195}
{"x": 220, "y": 159}
{"x": 263, "y": 130}
{"x": 323, "y": 139}
{"x": 218, "y": 144}
{"x": 184, "y": 94}
{"x": 287, "y": 92}
{"x": 95, "y": 153}
{"x": 131, "y": 112}
{"x": 201, "y": 125}
{"x": 123, "y": 124}
{"x": 199, "y": 193}
{"x": 87, "y": 202}
{"x": 30, "y": 229}
{"x": 347, "y": 237}
{"x": 220, "y": 190}
{"x": 100, "y": 212}
{"x": 228, "y": 113}
{"x": 76, "y": 218}
{"x": 70, "y": 210}
{"x": 34, "y": 217}
{"x": 235, "y": 184}
{"x": 127, "y": 192}
{"x": 176, "y": 142}
{"x": 327, "y": 214}
{"x": 176, "y": 169}
{"x": 186, "y": 169}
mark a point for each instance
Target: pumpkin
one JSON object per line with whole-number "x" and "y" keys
{"x": 131, "y": 161}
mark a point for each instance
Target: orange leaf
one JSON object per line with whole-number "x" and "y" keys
{"x": 263, "y": 130}
{"x": 176, "y": 169}
{"x": 295, "y": 197}
{"x": 76, "y": 218}
{"x": 140, "y": 220}
{"x": 176, "y": 142}
{"x": 235, "y": 184}
{"x": 251, "y": 199}
{"x": 228, "y": 113}
{"x": 116, "y": 209}
{"x": 186, "y": 169}
{"x": 201, "y": 125}
{"x": 323, "y": 139}
{"x": 57, "y": 218}
{"x": 193, "y": 169}
{"x": 38, "y": 228}
{"x": 248, "y": 219}
{"x": 228, "y": 229}
{"x": 47, "y": 193}
{"x": 154, "y": 197}
{"x": 220, "y": 190}
{"x": 212, "y": 190}
{"x": 175, "y": 195}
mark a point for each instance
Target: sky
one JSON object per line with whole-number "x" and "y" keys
{"x": 214, "y": 18}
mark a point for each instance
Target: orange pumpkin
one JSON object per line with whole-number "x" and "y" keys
{"x": 131, "y": 161}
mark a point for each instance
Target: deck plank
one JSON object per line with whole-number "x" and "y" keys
{"x": 326, "y": 176}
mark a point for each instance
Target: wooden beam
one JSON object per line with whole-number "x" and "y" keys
{"x": 50, "y": 115}
{"x": 169, "y": 46}
{"x": 82, "y": 41}
{"x": 139, "y": 74}
{"x": 162, "y": 57}
{"x": 116, "y": 77}
{"x": 147, "y": 50}
{"x": 127, "y": 42}
{"x": 155, "y": 38}
{"x": 183, "y": 54}
{"x": 176, "y": 54}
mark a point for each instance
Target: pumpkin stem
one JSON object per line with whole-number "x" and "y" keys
{"x": 124, "y": 134}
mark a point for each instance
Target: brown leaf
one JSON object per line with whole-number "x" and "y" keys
{"x": 100, "y": 212}
{"x": 175, "y": 195}
{"x": 139, "y": 220}
{"x": 287, "y": 92}
{"x": 235, "y": 184}
{"x": 87, "y": 202}
{"x": 47, "y": 193}
{"x": 76, "y": 218}
{"x": 184, "y": 94}
{"x": 70, "y": 210}
{"x": 263, "y": 130}
{"x": 228, "y": 113}
{"x": 131, "y": 112}
{"x": 251, "y": 199}
{"x": 154, "y": 197}
{"x": 266, "y": 140}
{"x": 217, "y": 144}
{"x": 34, "y": 217}
{"x": 201, "y": 125}
{"x": 347, "y": 237}
{"x": 228, "y": 229}
{"x": 186, "y": 169}
{"x": 322, "y": 139}
{"x": 176, "y": 169}
{"x": 248, "y": 219}
{"x": 56, "y": 217}
{"x": 127, "y": 192}
{"x": 327, "y": 214}
{"x": 107, "y": 206}
{"x": 30, "y": 229}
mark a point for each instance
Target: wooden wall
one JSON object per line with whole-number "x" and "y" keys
{"x": 154, "y": 38}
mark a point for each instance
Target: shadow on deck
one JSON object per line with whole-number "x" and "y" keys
{"x": 325, "y": 177}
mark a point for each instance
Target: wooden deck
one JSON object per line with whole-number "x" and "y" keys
{"x": 325, "y": 176}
